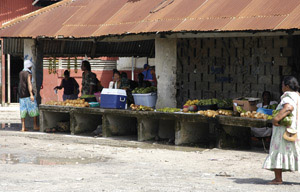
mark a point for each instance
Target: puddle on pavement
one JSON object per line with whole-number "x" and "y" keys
{"x": 154, "y": 145}
{"x": 8, "y": 158}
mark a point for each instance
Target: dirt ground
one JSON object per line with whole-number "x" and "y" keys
{"x": 50, "y": 162}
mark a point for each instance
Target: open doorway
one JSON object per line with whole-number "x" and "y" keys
{"x": 16, "y": 65}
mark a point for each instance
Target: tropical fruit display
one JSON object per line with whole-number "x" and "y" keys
{"x": 207, "y": 102}
{"x": 140, "y": 108}
{"x": 168, "y": 110}
{"x": 209, "y": 113}
{"x": 213, "y": 113}
{"x": 225, "y": 112}
{"x": 254, "y": 114}
{"x": 191, "y": 102}
{"x": 221, "y": 103}
{"x": 143, "y": 90}
{"x": 224, "y": 103}
{"x": 69, "y": 103}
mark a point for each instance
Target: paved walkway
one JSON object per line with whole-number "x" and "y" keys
{"x": 34, "y": 161}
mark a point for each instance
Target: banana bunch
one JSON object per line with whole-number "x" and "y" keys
{"x": 191, "y": 102}
{"x": 168, "y": 110}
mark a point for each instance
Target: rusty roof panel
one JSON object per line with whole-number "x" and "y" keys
{"x": 40, "y": 25}
{"x": 260, "y": 23}
{"x": 178, "y": 9}
{"x": 220, "y": 9}
{"x": 203, "y": 24}
{"x": 96, "y": 12}
{"x": 269, "y": 8}
{"x": 76, "y": 31}
{"x": 92, "y": 18}
{"x": 114, "y": 29}
{"x": 162, "y": 26}
{"x": 130, "y": 14}
{"x": 292, "y": 20}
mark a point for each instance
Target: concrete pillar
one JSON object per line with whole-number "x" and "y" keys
{"x": 165, "y": 68}
{"x": 115, "y": 125}
{"x": 147, "y": 128}
{"x": 33, "y": 50}
{"x": 190, "y": 132}
{"x": 83, "y": 123}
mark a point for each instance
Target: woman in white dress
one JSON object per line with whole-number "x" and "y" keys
{"x": 285, "y": 155}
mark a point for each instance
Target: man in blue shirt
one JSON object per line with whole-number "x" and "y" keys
{"x": 147, "y": 73}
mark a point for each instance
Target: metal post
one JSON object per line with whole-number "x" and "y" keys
{"x": 132, "y": 69}
{"x": 8, "y": 80}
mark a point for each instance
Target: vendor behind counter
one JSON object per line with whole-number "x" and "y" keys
{"x": 266, "y": 131}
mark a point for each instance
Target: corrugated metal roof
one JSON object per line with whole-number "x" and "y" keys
{"x": 10, "y": 9}
{"x": 94, "y": 18}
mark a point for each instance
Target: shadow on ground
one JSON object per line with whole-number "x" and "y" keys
{"x": 258, "y": 181}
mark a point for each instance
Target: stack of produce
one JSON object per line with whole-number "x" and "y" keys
{"x": 143, "y": 90}
{"x": 203, "y": 102}
{"x": 209, "y": 113}
{"x": 190, "y": 106}
{"x": 168, "y": 110}
{"x": 70, "y": 103}
{"x": 224, "y": 103}
{"x": 140, "y": 108}
{"x": 225, "y": 112}
{"x": 254, "y": 115}
{"x": 191, "y": 102}
{"x": 212, "y": 113}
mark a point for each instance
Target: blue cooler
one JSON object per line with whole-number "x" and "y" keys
{"x": 113, "y": 98}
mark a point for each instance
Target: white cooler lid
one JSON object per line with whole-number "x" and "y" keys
{"x": 106, "y": 91}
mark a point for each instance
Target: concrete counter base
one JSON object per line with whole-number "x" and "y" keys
{"x": 148, "y": 125}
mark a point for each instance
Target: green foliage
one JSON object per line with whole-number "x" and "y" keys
{"x": 143, "y": 90}
{"x": 274, "y": 106}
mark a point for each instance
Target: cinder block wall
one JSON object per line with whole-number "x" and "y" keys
{"x": 234, "y": 67}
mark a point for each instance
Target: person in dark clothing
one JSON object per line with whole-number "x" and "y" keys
{"x": 27, "y": 99}
{"x": 70, "y": 85}
{"x": 125, "y": 83}
{"x": 88, "y": 79}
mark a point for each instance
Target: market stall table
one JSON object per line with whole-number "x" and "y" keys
{"x": 184, "y": 128}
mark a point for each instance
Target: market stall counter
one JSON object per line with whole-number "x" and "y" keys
{"x": 184, "y": 128}
{"x": 50, "y": 116}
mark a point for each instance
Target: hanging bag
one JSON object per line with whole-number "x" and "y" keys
{"x": 290, "y": 135}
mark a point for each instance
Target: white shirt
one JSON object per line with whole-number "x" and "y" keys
{"x": 259, "y": 105}
{"x": 113, "y": 85}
